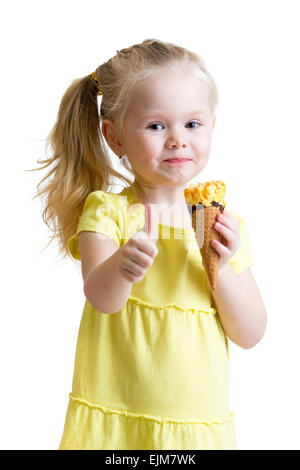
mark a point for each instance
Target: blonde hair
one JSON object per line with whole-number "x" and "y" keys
{"x": 79, "y": 152}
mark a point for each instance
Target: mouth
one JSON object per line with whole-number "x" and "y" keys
{"x": 177, "y": 161}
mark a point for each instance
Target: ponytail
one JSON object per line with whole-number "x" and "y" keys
{"x": 80, "y": 157}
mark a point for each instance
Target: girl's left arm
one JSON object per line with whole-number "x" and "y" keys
{"x": 240, "y": 306}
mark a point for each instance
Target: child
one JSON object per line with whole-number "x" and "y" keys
{"x": 151, "y": 365}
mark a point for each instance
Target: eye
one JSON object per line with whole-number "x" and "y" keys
{"x": 158, "y": 124}
{"x": 194, "y": 122}
{"x": 155, "y": 124}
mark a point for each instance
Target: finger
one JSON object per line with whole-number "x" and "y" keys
{"x": 150, "y": 227}
{"x": 229, "y": 238}
{"x": 228, "y": 220}
{"x": 134, "y": 268}
{"x": 143, "y": 232}
{"x": 131, "y": 277}
{"x": 227, "y": 233}
{"x": 220, "y": 248}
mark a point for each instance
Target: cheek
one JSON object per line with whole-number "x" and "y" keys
{"x": 149, "y": 142}
{"x": 147, "y": 147}
{"x": 203, "y": 146}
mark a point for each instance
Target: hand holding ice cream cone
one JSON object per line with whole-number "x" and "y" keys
{"x": 228, "y": 227}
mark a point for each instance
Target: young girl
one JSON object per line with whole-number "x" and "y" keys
{"x": 151, "y": 366}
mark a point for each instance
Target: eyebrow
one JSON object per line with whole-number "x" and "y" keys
{"x": 158, "y": 113}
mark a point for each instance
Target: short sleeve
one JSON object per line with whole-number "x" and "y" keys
{"x": 242, "y": 258}
{"x": 102, "y": 213}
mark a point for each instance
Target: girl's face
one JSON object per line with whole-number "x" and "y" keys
{"x": 168, "y": 116}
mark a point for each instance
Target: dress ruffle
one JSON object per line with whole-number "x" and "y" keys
{"x": 126, "y": 430}
{"x": 160, "y": 420}
{"x": 189, "y": 309}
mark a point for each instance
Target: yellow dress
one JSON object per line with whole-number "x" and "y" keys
{"x": 154, "y": 375}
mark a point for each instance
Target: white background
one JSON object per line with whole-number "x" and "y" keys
{"x": 252, "y": 50}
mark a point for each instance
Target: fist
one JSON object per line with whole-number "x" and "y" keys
{"x": 137, "y": 255}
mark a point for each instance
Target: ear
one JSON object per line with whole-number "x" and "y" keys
{"x": 110, "y": 134}
{"x": 214, "y": 121}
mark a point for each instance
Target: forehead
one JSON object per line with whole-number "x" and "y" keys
{"x": 171, "y": 89}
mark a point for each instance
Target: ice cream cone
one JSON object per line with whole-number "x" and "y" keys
{"x": 207, "y": 201}
{"x": 205, "y": 233}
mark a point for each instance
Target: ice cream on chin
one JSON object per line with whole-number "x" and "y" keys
{"x": 207, "y": 200}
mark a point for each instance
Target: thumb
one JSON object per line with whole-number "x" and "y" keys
{"x": 150, "y": 227}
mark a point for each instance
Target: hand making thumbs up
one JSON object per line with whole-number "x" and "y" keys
{"x": 137, "y": 255}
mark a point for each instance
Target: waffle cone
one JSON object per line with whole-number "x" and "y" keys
{"x": 205, "y": 226}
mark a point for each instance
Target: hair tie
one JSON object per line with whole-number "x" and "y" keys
{"x": 95, "y": 78}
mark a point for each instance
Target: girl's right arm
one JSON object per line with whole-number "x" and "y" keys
{"x": 108, "y": 272}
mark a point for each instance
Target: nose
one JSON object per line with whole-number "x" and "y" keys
{"x": 176, "y": 142}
